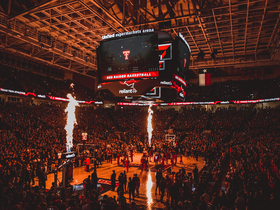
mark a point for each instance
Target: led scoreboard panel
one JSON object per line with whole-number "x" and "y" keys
{"x": 150, "y": 65}
{"x": 122, "y": 58}
{"x": 181, "y": 57}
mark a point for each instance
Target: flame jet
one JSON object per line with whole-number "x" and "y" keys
{"x": 70, "y": 122}
{"x": 150, "y": 126}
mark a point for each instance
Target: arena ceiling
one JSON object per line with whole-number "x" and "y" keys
{"x": 65, "y": 33}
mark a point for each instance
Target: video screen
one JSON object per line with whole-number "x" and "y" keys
{"x": 182, "y": 57}
{"x": 128, "y": 55}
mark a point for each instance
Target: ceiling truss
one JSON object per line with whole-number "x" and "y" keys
{"x": 66, "y": 33}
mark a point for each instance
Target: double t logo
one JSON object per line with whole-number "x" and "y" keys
{"x": 126, "y": 54}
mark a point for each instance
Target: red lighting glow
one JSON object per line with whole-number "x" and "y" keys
{"x": 160, "y": 64}
{"x": 58, "y": 98}
{"x": 180, "y": 80}
{"x": 178, "y": 88}
{"x": 127, "y": 104}
{"x": 29, "y": 93}
{"x": 131, "y": 75}
{"x": 104, "y": 83}
{"x": 88, "y": 102}
{"x": 128, "y": 82}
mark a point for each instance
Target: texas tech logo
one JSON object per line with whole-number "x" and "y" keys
{"x": 126, "y": 54}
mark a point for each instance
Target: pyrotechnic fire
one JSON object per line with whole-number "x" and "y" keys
{"x": 149, "y": 190}
{"x": 70, "y": 122}
{"x": 150, "y": 127}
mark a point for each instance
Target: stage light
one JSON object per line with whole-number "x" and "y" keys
{"x": 27, "y": 32}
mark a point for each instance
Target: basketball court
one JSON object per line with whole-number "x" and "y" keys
{"x": 147, "y": 178}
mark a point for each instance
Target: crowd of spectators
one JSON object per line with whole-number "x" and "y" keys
{"x": 31, "y": 139}
{"x": 247, "y": 141}
{"x": 197, "y": 120}
{"x": 19, "y": 80}
{"x": 130, "y": 122}
{"x": 234, "y": 90}
{"x": 225, "y": 120}
{"x": 253, "y": 173}
{"x": 240, "y": 146}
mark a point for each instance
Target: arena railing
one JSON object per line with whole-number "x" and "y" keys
{"x": 55, "y": 98}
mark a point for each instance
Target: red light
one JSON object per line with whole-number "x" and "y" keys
{"x": 160, "y": 64}
{"x": 178, "y": 88}
{"x": 217, "y": 102}
{"x": 180, "y": 79}
{"x": 58, "y": 98}
{"x": 88, "y": 102}
{"x": 26, "y": 94}
{"x": 128, "y": 82}
{"x": 104, "y": 83}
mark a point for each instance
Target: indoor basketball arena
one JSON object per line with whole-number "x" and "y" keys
{"x": 139, "y": 104}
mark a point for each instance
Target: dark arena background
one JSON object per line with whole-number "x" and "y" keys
{"x": 143, "y": 104}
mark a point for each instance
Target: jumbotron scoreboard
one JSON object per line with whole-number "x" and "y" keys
{"x": 145, "y": 65}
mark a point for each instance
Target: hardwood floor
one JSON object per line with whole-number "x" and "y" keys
{"x": 147, "y": 178}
